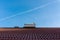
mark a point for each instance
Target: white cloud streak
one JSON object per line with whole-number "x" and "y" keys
{"x": 21, "y": 13}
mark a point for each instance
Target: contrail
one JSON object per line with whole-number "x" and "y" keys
{"x": 21, "y": 13}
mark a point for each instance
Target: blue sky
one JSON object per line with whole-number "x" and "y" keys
{"x": 47, "y": 13}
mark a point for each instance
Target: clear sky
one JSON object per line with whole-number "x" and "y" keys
{"x": 45, "y": 13}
